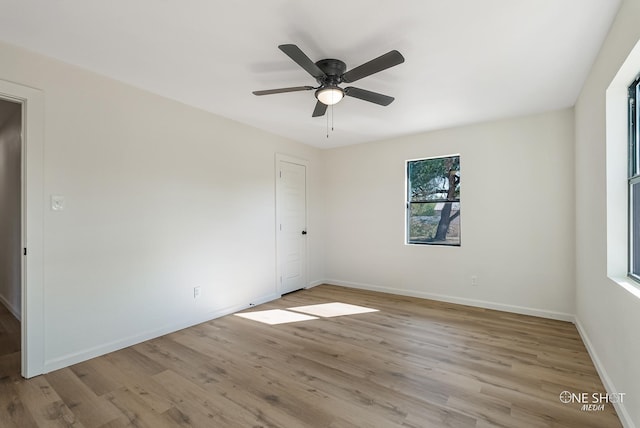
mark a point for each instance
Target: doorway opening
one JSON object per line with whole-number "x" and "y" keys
{"x": 10, "y": 236}
{"x": 30, "y": 309}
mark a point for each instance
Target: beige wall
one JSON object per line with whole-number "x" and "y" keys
{"x": 608, "y": 314}
{"x": 160, "y": 198}
{"x": 10, "y": 201}
{"x": 516, "y": 217}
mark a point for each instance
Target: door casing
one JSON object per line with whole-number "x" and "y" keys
{"x": 32, "y": 281}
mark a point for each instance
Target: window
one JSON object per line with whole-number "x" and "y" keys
{"x": 433, "y": 201}
{"x": 634, "y": 181}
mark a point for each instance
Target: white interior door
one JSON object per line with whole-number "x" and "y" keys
{"x": 291, "y": 225}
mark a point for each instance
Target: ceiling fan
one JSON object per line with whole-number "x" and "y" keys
{"x": 330, "y": 73}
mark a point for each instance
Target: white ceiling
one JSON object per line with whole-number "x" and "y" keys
{"x": 466, "y": 60}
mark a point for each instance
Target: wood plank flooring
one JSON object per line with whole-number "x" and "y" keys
{"x": 415, "y": 363}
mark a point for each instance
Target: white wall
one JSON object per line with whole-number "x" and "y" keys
{"x": 10, "y": 218}
{"x": 160, "y": 197}
{"x": 608, "y": 315}
{"x": 516, "y": 218}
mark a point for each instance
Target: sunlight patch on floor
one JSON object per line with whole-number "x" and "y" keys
{"x": 324, "y": 310}
{"x": 275, "y": 316}
{"x": 334, "y": 309}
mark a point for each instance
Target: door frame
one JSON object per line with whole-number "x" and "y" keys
{"x": 32, "y": 233}
{"x": 279, "y": 157}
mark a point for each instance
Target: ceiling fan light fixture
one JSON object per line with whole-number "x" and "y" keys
{"x": 329, "y": 95}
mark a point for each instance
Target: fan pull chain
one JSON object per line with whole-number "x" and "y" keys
{"x": 332, "y": 117}
{"x": 327, "y": 115}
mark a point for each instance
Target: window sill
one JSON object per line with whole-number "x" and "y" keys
{"x": 431, "y": 244}
{"x": 628, "y": 284}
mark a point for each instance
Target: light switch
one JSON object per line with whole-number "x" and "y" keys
{"x": 57, "y": 202}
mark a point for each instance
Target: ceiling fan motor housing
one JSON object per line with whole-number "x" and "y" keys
{"x": 334, "y": 69}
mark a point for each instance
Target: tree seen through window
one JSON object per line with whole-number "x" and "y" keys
{"x": 433, "y": 201}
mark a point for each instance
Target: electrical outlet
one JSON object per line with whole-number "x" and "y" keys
{"x": 474, "y": 280}
{"x": 57, "y": 202}
{"x": 196, "y": 292}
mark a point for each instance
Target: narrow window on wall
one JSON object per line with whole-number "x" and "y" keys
{"x": 433, "y": 201}
{"x": 634, "y": 181}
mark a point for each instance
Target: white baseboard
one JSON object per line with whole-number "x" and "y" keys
{"x": 543, "y": 313}
{"x": 14, "y": 311}
{"x": 624, "y": 416}
{"x": 315, "y": 284}
{"x": 87, "y": 354}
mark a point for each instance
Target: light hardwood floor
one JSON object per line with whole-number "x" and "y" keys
{"x": 415, "y": 363}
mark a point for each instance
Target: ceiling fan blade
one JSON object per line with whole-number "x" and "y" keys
{"x": 283, "y": 90}
{"x": 372, "y": 97}
{"x": 320, "y": 109}
{"x": 302, "y": 60}
{"x": 383, "y": 62}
